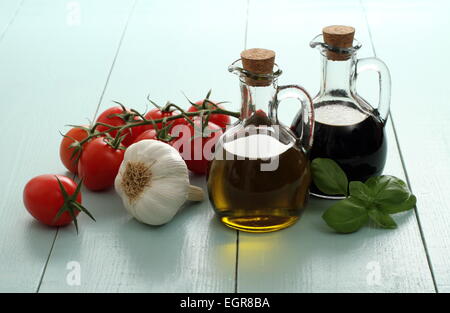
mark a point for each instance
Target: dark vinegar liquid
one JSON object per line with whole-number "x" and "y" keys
{"x": 355, "y": 140}
{"x": 247, "y": 198}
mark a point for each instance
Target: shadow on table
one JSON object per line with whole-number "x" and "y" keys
{"x": 188, "y": 254}
{"x": 310, "y": 241}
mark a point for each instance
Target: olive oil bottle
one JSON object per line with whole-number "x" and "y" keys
{"x": 259, "y": 178}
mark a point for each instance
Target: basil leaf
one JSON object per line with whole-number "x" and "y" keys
{"x": 389, "y": 208}
{"x": 391, "y": 194}
{"x": 381, "y": 219}
{"x": 385, "y": 186}
{"x": 360, "y": 191}
{"x": 346, "y": 216}
{"x": 329, "y": 177}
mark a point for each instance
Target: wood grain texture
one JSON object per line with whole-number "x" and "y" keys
{"x": 51, "y": 74}
{"x": 415, "y": 51}
{"x": 169, "y": 46}
{"x": 309, "y": 257}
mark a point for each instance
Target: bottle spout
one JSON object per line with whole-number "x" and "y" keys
{"x": 251, "y": 77}
{"x": 328, "y": 50}
{"x": 236, "y": 68}
{"x": 317, "y": 42}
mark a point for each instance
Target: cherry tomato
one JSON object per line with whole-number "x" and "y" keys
{"x": 43, "y": 199}
{"x": 148, "y": 134}
{"x": 220, "y": 120}
{"x": 65, "y": 152}
{"x": 157, "y": 114}
{"x": 131, "y": 133}
{"x": 99, "y": 164}
{"x": 197, "y": 152}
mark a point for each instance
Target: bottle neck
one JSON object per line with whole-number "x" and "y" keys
{"x": 337, "y": 76}
{"x": 256, "y": 98}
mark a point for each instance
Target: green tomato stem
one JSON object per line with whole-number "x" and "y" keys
{"x": 186, "y": 115}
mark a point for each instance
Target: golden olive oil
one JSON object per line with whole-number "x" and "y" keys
{"x": 248, "y": 198}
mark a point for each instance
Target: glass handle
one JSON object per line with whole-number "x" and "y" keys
{"x": 384, "y": 79}
{"x": 307, "y": 112}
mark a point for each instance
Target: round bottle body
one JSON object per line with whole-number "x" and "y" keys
{"x": 355, "y": 139}
{"x": 259, "y": 184}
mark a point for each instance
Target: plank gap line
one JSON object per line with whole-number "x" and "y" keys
{"x": 93, "y": 119}
{"x": 3, "y": 33}
{"x": 402, "y": 160}
{"x": 237, "y": 231}
{"x": 114, "y": 60}
{"x": 246, "y": 24}
{"x": 422, "y": 236}
{"x": 47, "y": 261}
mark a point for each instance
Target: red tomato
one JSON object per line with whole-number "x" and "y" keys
{"x": 157, "y": 114}
{"x": 99, "y": 164}
{"x": 43, "y": 199}
{"x": 197, "y": 152}
{"x": 148, "y": 134}
{"x": 220, "y": 120}
{"x": 136, "y": 131}
{"x": 131, "y": 133}
{"x": 65, "y": 152}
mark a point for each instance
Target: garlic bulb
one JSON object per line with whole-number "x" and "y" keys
{"x": 153, "y": 182}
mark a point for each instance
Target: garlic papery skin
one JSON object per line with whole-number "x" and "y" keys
{"x": 153, "y": 181}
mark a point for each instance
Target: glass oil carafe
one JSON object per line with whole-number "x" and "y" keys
{"x": 259, "y": 178}
{"x": 347, "y": 128}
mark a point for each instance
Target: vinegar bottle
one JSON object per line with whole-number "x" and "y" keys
{"x": 259, "y": 178}
{"x": 348, "y": 129}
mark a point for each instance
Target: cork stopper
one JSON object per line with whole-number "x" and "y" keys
{"x": 338, "y": 36}
{"x": 258, "y": 61}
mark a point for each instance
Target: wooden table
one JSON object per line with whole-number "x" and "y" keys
{"x": 63, "y": 61}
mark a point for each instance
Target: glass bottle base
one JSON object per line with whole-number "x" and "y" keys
{"x": 259, "y": 224}
{"x": 327, "y": 197}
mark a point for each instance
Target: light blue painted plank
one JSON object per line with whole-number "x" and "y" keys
{"x": 309, "y": 257}
{"x": 193, "y": 253}
{"x": 412, "y": 36}
{"x": 179, "y": 47}
{"x": 169, "y": 46}
{"x": 51, "y": 73}
{"x": 8, "y": 12}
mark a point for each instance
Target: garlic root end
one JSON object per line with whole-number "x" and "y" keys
{"x": 195, "y": 193}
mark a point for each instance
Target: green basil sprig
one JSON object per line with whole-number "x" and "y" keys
{"x": 375, "y": 200}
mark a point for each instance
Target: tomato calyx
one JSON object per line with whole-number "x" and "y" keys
{"x": 119, "y": 121}
{"x": 167, "y": 108}
{"x": 71, "y": 205}
{"x": 213, "y": 111}
{"x": 163, "y": 134}
{"x": 115, "y": 142}
{"x": 76, "y": 145}
{"x": 87, "y": 129}
{"x": 203, "y": 105}
{"x": 171, "y": 107}
{"x": 166, "y": 124}
{"x": 128, "y": 116}
{"x": 206, "y": 103}
{"x": 203, "y": 130}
